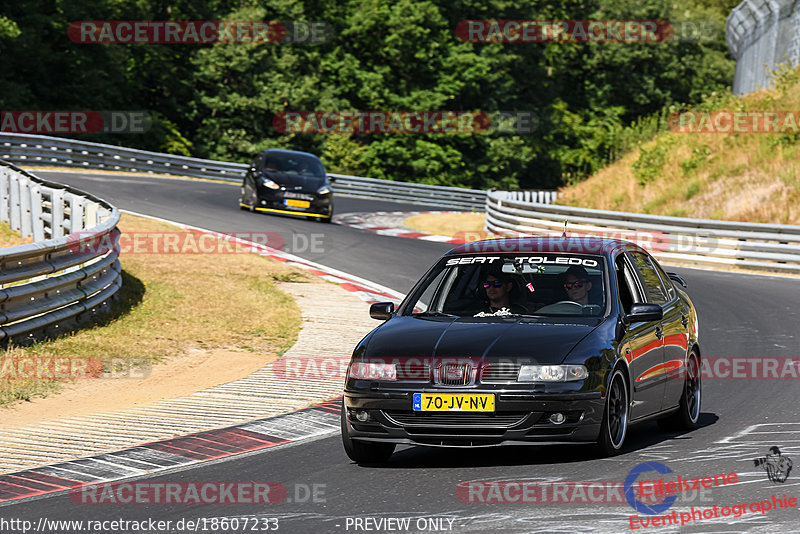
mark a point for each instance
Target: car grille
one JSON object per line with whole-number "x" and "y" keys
{"x": 500, "y": 372}
{"x": 453, "y": 374}
{"x": 465, "y": 420}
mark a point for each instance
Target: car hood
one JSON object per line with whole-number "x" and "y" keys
{"x": 545, "y": 341}
{"x": 293, "y": 181}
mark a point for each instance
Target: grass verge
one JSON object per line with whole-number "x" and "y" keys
{"x": 447, "y": 224}
{"x": 748, "y": 177}
{"x": 171, "y": 304}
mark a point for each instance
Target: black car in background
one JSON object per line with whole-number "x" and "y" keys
{"x": 526, "y": 341}
{"x": 288, "y": 182}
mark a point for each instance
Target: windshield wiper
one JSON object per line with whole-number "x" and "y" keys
{"x": 432, "y": 314}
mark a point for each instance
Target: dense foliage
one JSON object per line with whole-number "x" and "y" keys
{"x": 219, "y": 100}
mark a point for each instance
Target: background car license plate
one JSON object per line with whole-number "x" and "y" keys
{"x": 452, "y": 402}
{"x": 297, "y": 203}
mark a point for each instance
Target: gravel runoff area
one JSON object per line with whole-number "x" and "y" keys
{"x": 312, "y": 370}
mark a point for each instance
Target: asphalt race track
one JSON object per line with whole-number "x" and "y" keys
{"x": 741, "y": 316}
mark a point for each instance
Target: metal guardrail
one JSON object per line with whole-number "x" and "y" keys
{"x": 70, "y": 270}
{"x": 25, "y": 149}
{"x": 772, "y": 247}
{"x": 760, "y": 35}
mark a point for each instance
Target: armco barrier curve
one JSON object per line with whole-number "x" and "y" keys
{"x": 773, "y": 247}
{"x": 70, "y": 271}
{"x": 25, "y": 149}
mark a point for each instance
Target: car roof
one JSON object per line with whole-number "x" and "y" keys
{"x": 288, "y": 152}
{"x": 564, "y": 245}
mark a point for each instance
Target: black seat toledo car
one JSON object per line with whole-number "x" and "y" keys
{"x": 526, "y": 341}
{"x": 289, "y": 182}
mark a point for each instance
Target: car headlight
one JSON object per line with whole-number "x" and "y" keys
{"x": 266, "y": 182}
{"x": 324, "y": 190}
{"x": 372, "y": 371}
{"x": 552, "y": 373}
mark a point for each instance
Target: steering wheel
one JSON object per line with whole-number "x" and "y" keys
{"x": 567, "y": 302}
{"x": 556, "y": 307}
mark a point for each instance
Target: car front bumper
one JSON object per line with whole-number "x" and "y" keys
{"x": 519, "y": 418}
{"x": 278, "y": 201}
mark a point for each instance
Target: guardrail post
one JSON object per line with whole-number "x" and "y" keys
{"x": 5, "y": 176}
{"x": 37, "y": 223}
{"x": 57, "y": 213}
{"x": 26, "y": 221}
{"x": 14, "y": 216}
{"x": 91, "y": 216}
{"x": 76, "y": 213}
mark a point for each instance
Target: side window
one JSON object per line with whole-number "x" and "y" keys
{"x": 654, "y": 288}
{"x": 628, "y": 294}
{"x": 425, "y": 302}
{"x": 665, "y": 280}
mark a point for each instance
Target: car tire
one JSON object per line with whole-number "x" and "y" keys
{"x": 364, "y": 452}
{"x": 688, "y": 413}
{"x": 614, "y": 426}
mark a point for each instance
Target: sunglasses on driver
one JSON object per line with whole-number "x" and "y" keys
{"x": 493, "y": 283}
{"x": 577, "y": 284}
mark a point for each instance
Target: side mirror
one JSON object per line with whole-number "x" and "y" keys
{"x": 253, "y": 169}
{"x": 644, "y": 312}
{"x": 331, "y": 179}
{"x": 677, "y": 278}
{"x": 381, "y": 310}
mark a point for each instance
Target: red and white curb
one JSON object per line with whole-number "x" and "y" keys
{"x": 167, "y": 454}
{"x": 390, "y": 223}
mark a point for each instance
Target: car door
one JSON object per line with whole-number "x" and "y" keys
{"x": 676, "y": 338}
{"x": 669, "y": 327}
{"x": 642, "y": 347}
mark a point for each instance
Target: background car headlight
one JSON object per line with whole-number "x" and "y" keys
{"x": 324, "y": 190}
{"x": 266, "y": 182}
{"x": 552, "y": 373}
{"x": 373, "y": 371}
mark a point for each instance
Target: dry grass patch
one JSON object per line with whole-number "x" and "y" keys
{"x": 447, "y": 224}
{"x": 174, "y": 304}
{"x": 10, "y": 238}
{"x": 750, "y": 177}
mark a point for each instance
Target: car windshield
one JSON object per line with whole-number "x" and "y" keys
{"x": 294, "y": 164}
{"x": 502, "y": 285}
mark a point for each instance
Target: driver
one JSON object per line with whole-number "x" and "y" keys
{"x": 500, "y": 291}
{"x": 576, "y": 283}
